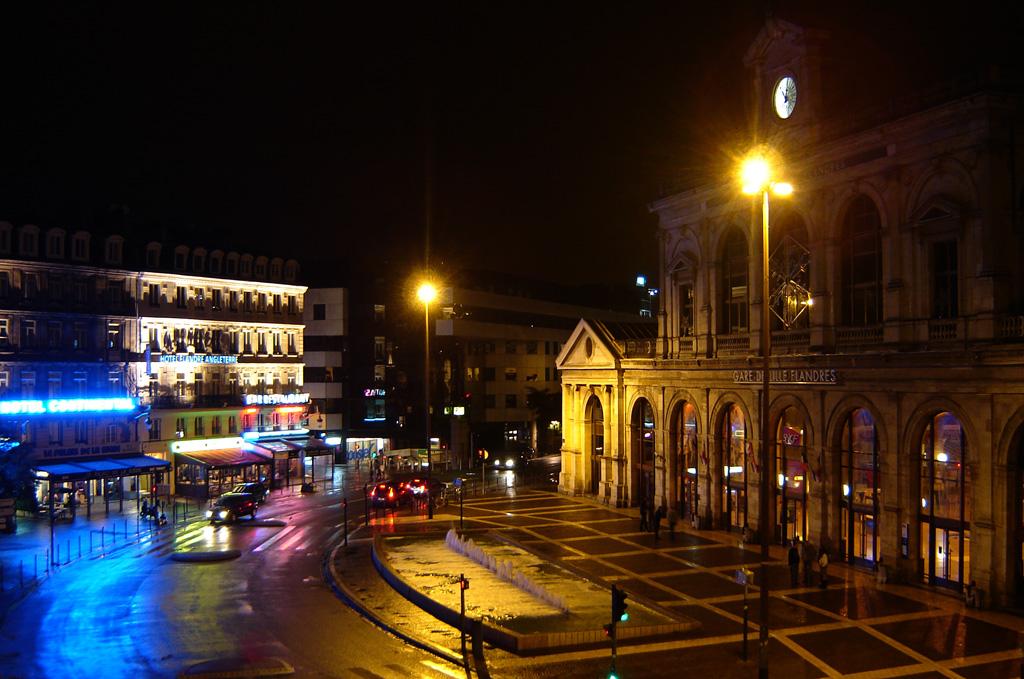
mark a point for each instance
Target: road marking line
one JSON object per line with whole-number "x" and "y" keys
{"x": 292, "y": 540}
{"x": 437, "y": 667}
{"x": 267, "y": 543}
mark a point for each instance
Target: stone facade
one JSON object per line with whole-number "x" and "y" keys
{"x": 896, "y": 399}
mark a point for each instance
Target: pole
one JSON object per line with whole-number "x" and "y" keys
{"x": 426, "y": 402}
{"x": 462, "y": 613}
{"x": 746, "y": 612}
{"x": 344, "y": 504}
{"x": 766, "y": 350}
{"x": 366, "y": 505}
{"x": 51, "y": 520}
{"x": 462, "y": 528}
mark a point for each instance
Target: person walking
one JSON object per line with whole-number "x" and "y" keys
{"x": 659, "y": 514}
{"x": 808, "y": 554}
{"x": 823, "y": 567}
{"x": 794, "y": 564}
{"x": 644, "y": 520}
{"x": 673, "y": 518}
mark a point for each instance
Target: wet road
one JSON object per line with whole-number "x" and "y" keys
{"x": 138, "y": 613}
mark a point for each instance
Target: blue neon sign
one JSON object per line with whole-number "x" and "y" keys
{"x": 59, "y": 406}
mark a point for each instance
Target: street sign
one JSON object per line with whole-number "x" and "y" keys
{"x": 458, "y": 482}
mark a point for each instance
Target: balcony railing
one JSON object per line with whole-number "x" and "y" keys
{"x": 731, "y": 344}
{"x": 859, "y": 335}
{"x": 942, "y": 330}
{"x": 1011, "y": 327}
{"x": 783, "y": 339}
{"x": 640, "y": 348}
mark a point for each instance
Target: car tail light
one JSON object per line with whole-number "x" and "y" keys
{"x": 373, "y": 493}
{"x": 391, "y": 493}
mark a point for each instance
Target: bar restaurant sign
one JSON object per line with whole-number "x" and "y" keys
{"x": 788, "y": 376}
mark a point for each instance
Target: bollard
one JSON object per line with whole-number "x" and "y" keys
{"x": 79, "y": 546}
{"x": 102, "y": 539}
{"x": 136, "y": 524}
{"x": 90, "y": 541}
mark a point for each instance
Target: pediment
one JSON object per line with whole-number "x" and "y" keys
{"x": 776, "y": 35}
{"x": 587, "y": 348}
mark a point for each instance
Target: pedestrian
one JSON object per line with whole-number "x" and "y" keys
{"x": 659, "y": 514}
{"x": 823, "y": 567}
{"x": 794, "y": 565}
{"x": 673, "y": 519}
{"x": 808, "y": 554}
{"x": 144, "y": 511}
{"x": 644, "y": 521}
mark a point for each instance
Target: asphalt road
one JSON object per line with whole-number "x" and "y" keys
{"x": 138, "y": 613}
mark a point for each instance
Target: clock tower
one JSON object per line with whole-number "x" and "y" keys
{"x": 785, "y": 63}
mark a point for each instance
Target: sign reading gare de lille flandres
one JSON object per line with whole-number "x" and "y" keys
{"x": 788, "y": 376}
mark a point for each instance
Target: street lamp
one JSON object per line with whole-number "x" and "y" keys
{"x": 427, "y": 293}
{"x": 756, "y": 178}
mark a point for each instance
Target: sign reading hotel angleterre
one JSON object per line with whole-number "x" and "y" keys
{"x": 198, "y": 358}
{"x": 788, "y": 376}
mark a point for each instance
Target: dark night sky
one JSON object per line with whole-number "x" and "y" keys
{"x": 302, "y": 128}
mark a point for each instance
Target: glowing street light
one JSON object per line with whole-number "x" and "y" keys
{"x": 427, "y": 293}
{"x": 757, "y": 177}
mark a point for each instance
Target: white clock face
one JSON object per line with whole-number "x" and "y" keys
{"x": 785, "y": 97}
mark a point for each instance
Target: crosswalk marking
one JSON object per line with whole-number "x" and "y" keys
{"x": 263, "y": 546}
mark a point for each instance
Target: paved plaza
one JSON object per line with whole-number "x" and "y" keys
{"x": 855, "y": 627}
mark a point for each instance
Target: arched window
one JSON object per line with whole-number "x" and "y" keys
{"x": 684, "y": 458}
{"x": 643, "y": 448}
{"x": 862, "y": 488}
{"x": 732, "y": 440}
{"x": 595, "y": 441}
{"x": 791, "y": 475}
{"x": 733, "y": 296}
{"x": 862, "y": 264}
{"x": 790, "y": 268}
{"x": 945, "y": 514}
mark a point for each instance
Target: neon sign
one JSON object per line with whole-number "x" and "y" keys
{"x": 206, "y": 444}
{"x": 198, "y": 358}
{"x": 275, "y": 399}
{"x": 375, "y": 392}
{"x": 58, "y": 406}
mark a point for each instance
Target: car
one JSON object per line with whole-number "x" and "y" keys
{"x": 418, "y": 487}
{"x": 255, "y": 488}
{"x": 229, "y": 507}
{"x": 390, "y": 494}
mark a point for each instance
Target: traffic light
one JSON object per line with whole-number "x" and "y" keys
{"x": 464, "y": 583}
{"x": 608, "y": 630}
{"x": 619, "y": 605}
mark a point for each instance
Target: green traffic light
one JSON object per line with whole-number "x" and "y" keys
{"x": 612, "y": 675}
{"x": 624, "y": 617}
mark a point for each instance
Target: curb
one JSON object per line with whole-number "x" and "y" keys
{"x": 331, "y": 578}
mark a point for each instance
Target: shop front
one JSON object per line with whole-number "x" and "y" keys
{"x": 205, "y": 474}
{"x": 67, "y": 486}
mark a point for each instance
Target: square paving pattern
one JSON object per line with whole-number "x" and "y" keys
{"x": 944, "y": 637}
{"x": 600, "y": 545}
{"x": 559, "y": 531}
{"x": 850, "y": 650}
{"x": 781, "y": 614}
{"x": 722, "y": 556}
{"x": 584, "y": 515}
{"x": 701, "y": 585}
{"x": 665, "y": 543}
{"x": 647, "y": 563}
{"x": 858, "y": 603}
{"x": 593, "y": 567}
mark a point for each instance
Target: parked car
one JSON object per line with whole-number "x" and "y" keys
{"x": 229, "y": 507}
{"x": 255, "y": 488}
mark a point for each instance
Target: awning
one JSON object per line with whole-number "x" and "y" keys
{"x": 316, "y": 447}
{"x": 225, "y": 457}
{"x": 99, "y": 467}
{"x": 279, "y": 449}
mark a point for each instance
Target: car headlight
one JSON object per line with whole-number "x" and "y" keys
{"x": 510, "y": 462}
{"x": 223, "y": 514}
{"x": 209, "y": 513}
{"x": 497, "y": 463}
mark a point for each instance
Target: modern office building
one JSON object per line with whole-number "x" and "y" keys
{"x": 896, "y": 412}
{"x": 325, "y": 317}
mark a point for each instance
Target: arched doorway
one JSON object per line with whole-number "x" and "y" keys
{"x": 945, "y": 512}
{"x": 684, "y": 460}
{"x": 791, "y": 475}
{"x": 595, "y": 442}
{"x": 732, "y": 441}
{"x": 643, "y": 450}
{"x": 862, "y": 488}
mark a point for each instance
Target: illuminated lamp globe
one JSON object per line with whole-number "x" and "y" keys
{"x": 426, "y": 293}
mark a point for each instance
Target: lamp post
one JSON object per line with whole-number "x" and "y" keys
{"x": 427, "y": 293}
{"x": 756, "y": 177}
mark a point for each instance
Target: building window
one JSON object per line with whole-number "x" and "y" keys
{"x": 510, "y": 374}
{"x": 247, "y": 301}
{"x": 198, "y": 261}
{"x": 114, "y": 381}
{"x": 319, "y": 312}
{"x": 215, "y": 299}
{"x": 262, "y": 339}
{"x": 111, "y": 434}
{"x": 233, "y": 300}
{"x": 179, "y": 427}
{"x": 113, "y": 335}
{"x": 80, "y": 337}
{"x": 861, "y": 301}
{"x": 215, "y": 263}
{"x": 277, "y": 304}
{"x": 378, "y": 373}
{"x": 489, "y": 400}
{"x": 200, "y": 426}
{"x": 379, "y": 349}
{"x": 80, "y": 380}
{"x": 261, "y": 302}
{"x": 4, "y": 332}
{"x": 944, "y": 279}
{"x": 215, "y": 426}
{"x": 547, "y": 374}
{"x": 79, "y": 247}
{"x": 292, "y": 305}
{"x": 28, "y": 243}
{"x": 30, "y": 285}
{"x": 81, "y": 291}
{"x": 56, "y": 430}
{"x": 5, "y": 284}
{"x": 510, "y": 347}
{"x": 232, "y": 425}
{"x": 5, "y": 238}
{"x": 55, "y": 245}
{"x": 4, "y": 381}
{"x": 489, "y": 374}
{"x": 114, "y": 293}
{"x": 198, "y": 388}
{"x": 179, "y": 385}
{"x": 181, "y": 297}
{"x": 55, "y": 288}
{"x": 54, "y": 334}
{"x": 154, "y": 294}
{"x": 179, "y": 260}
{"x": 378, "y": 313}
{"x": 292, "y": 348}
{"x": 154, "y": 429}
{"x": 511, "y": 401}
{"x": 28, "y": 334}
{"x": 531, "y": 347}
{"x": 734, "y": 285}
{"x": 113, "y": 251}
{"x": 153, "y": 256}
{"x": 53, "y": 382}
{"x": 81, "y": 431}
{"x": 686, "y": 309}
{"x": 277, "y": 344}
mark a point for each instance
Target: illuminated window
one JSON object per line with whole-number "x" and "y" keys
{"x": 28, "y": 383}
{"x": 154, "y": 294}
{"x": 53, "y": 384}
{"x": 510, "y": 374}
{"x": 114, "y": 381}
{"x": 379, "y": 353}
{"x": 378, "y": 373}
{"x": 80, "y": 380}
{"x": 232, "y": 425}
{"x": 378, "y": 313}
